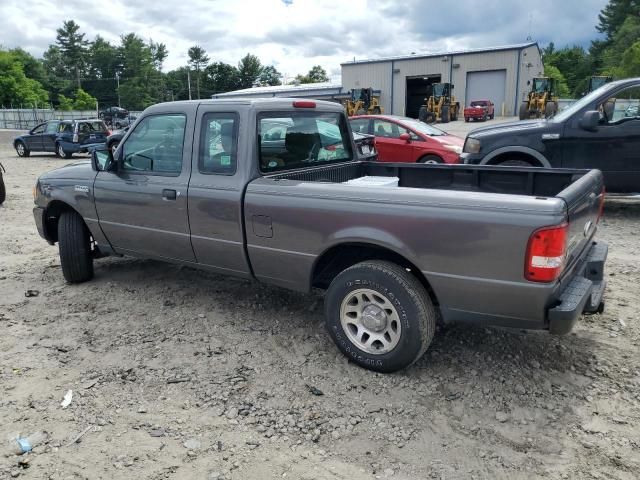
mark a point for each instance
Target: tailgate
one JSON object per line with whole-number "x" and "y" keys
{"x": 584, "y": 198}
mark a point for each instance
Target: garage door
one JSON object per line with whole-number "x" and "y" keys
{"x": 489, "y": 85}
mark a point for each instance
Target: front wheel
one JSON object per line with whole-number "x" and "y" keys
{"x": 113, "y": 146}
{"x": 430, "y": 159}
{"x": 380, "y": 316}
{"x": 74, "y": 242}
{"x": 523, "y": 113}
{"x": 21, "y": 149}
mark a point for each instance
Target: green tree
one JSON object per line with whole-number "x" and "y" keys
{"x": 141, "y": 84}
{"x": 269, "y": 76}
{"x": 15, "y": 87}
{"x": 553, "y": 72}
{"x": 220, "y": 77}
{"x": 318, "y": 74}
{"x": 197, "y": 59}
{"x": 104, "y": 64}
{"x": 614, "y": 14}
{"x": 630, "y": 64}
{"x": 159, "y": 53}
{"x": 65, "y": 103}
{"x": 57, "y": 82}
{"x": 73, "y": 47}
{"x": 84, "y": 101}
{"x": 249, "y": 69}
{"x": 573, "y": 62}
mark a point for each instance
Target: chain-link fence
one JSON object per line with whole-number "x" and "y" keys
{"x": 27, "y": 118}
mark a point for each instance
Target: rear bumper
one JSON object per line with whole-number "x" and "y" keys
{"x": 583, "y": 294}
{"x": 475, "y": 114}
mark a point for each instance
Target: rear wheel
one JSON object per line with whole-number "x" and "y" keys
{"x": 430, "y": 159}
{"x": 74, "y": 242}
{"x": 60, "y": 151}
{"x": 113, "y": 146}
{"x": 444, "y": 114}
{"x": 3, "y": 190}
{"x": 466, "y": 119}
{"x": 21, "y": 149}
{"x": 380, "y": 316}
{"x": 523, "y": 114}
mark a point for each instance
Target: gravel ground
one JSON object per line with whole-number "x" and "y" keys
{"x": 177, "y": 373}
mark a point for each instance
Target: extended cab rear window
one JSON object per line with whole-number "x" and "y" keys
{"x": 302, "y": 139}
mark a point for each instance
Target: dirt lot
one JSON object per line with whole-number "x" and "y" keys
{"x": 482, "y": 403}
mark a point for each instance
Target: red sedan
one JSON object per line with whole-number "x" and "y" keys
{"x": 403, "y": 139}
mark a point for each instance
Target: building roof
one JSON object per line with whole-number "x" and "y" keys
{"x": 302, "y": 87}
{"x": 516, "y": 46}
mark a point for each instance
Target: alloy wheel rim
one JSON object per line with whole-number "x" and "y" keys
{"x": 370, "y": 321}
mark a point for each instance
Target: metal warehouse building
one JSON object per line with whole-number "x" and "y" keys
{"x": 499, "y": 74}
{"x": 321, "y": 91}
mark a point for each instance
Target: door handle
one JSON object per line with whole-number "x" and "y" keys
{"x": 169, "y": 194}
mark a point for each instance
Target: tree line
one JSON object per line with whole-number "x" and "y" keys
{"x": 75, "y": 72}
{"x": 616, "y": 55}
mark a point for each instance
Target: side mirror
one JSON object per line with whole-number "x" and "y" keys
{"x": 102, "y": 160}
{"x": 406, "y": 137}
{"x": 590, "y": 121}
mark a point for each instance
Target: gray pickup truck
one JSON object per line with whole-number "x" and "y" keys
{"x": 273, "y": 190}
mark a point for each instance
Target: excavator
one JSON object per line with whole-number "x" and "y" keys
{"x": 542, "y": 100}
{"x": 362, "y": 102}
{"x": 441, "y": 106}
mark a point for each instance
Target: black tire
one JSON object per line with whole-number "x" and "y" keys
{"x": 60, "y": 151}
{"x": 416, "y": 313}
{"x": 484, "y": 117}
{"x": 550, "y": 109}
{"x": 422, "y": 114}
{"x": 3, "y": 190}
{"x": 444, "y": 114}
{"x": 21, "y": 149}
{"x": 466, "y": 119}
{"x": 74, "y": 243}
{"x": 430, "y": 159}
{"x": 515, "y": 163}
{"x": 523, "y": 113}
{"x": 113, "y": 145}
{"x": 454, "y": 113}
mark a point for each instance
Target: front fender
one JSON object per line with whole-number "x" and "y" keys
{"x": 516, "y": 149}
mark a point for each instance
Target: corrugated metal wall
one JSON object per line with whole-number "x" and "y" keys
{"x": 378, "y": 75}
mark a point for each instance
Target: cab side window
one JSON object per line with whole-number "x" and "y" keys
{"x": 218, "y": 144}
{"x": 52, "y": 127}
{"x": 624, "y": 105}
{"x": 39, "y": 129}
{"x": 360, "y": 125}
{"x": 156, "y": 145}
{"x": 386, "y": 129}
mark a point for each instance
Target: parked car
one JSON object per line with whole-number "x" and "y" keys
{"x": 3, "y": 190}
{"x": 404, "y": 139}
{"x": 480, "y": 244}
{"x": 115, "y": 138}
{"x": 119, "y": 123}
{"x": 62, "y": 137}
{"x": 479, "y": 110}
{"x": 113, "y": 115}
{"x": 600, "y": 130}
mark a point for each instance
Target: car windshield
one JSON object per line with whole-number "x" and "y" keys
{"x": 422, "y": 127}
{"x": 580, "y": 104}
{"x": 479, "y": 104}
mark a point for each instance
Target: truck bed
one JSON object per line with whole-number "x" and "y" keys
{"x": 537, "y": 182}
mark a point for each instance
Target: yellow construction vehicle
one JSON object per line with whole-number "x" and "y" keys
{"x": 362, "y": 102}
{"x": 441, "y": 106}
{"x": 542, "y": 100}
{"x": 597, "y": 81}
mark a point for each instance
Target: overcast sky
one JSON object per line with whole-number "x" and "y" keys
{"x": 294, "y": 35}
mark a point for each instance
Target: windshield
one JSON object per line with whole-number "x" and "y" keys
{"x": 540, "y": 85}
{"x": 479, "y": 104}
{"x": 580, "y": 104}
{"x": 439, "y": 89}
{"x": 423, "y": 128}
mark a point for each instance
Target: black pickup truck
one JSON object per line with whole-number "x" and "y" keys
{"x": 601, "y": 130}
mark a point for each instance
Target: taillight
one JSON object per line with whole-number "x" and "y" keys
{"x": 546, "y": 253}
{"x": 304, "y": 104}
{"x": 601, "y": 209}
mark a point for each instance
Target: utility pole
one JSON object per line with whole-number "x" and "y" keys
{"x": 118, "y": 83}
{"x": 189, "y": 81}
